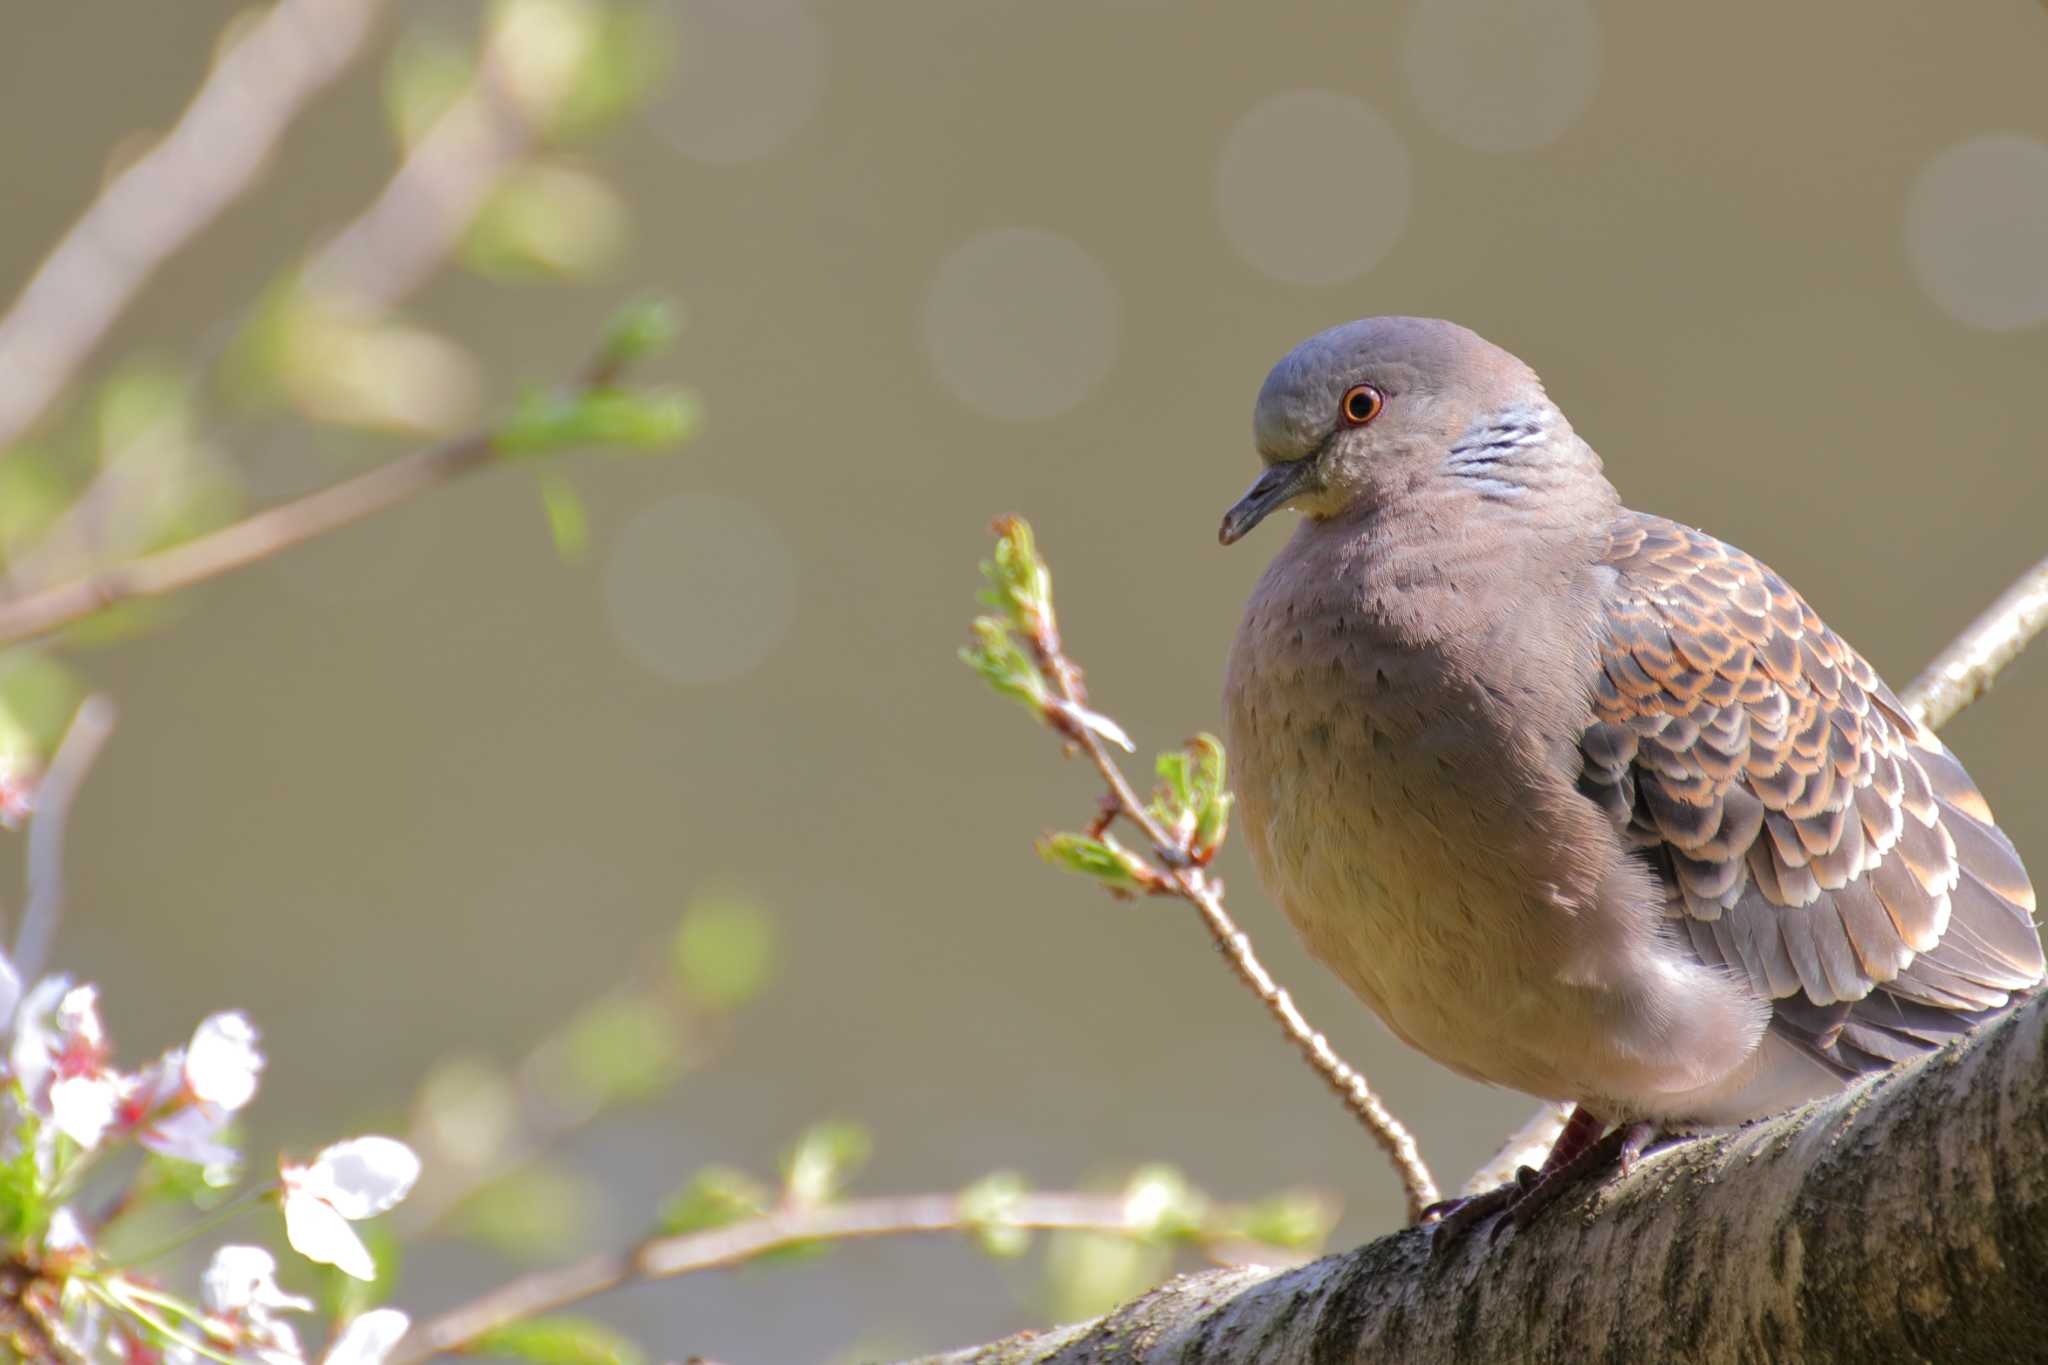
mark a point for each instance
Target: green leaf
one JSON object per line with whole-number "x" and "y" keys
{"x": 467, "y": 1110}
{"x": 546, "y": 222}
{"x": 1293, "y": 1221}
{"x": 252, "y": 373}
{"x": 426, "y": 75}
{"x": 622, "y": 1049}
{"x": 529, "y": 1214}
{"x": 140, "y": 402}
{"x": 1192, "y": 799}
{"x": 724, "y": 952}
{"x": 568, "y": 518}
{"x": 1161, "y": 1206}
{"x": 32, "y": 495}
{"x": 37, "y": 698}
{"x": 630, "y": 419}
{"x": 990, "y": 1206}
{"x": 1019, "y": 582}
{"x": 715, "y": 1196}
{"x": 1089, "y": 1273}
{"x": 1104, "y": 859}
{"x": 627, "y": 57}
{"x": 557, "y": 1341}
{"x": 1003, "y": 664}
{"x": 823, "y": 1159}
{"x": 641, "y": 330}
{"x": 24, "y": 1206}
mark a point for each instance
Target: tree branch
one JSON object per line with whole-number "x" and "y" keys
{"x": 387, "y": 252}
{"x": 244, "y": 543}
{"x": 1906, "y": 1219}
{"x": 90, "y": 727}
{"x": 1199, "y": 890}
{"x": 156, "y": 206}
{"x": 1963, "y": 672}
{"x": 661, "y": 1258}
{"x": 267, "y": 532}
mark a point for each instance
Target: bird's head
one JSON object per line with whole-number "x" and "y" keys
{"x": 1366, "y": 412}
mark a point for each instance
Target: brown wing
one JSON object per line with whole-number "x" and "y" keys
{"x": 1808, "y": 832}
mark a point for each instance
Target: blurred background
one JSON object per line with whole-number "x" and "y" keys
{"x": 428, "y": 787}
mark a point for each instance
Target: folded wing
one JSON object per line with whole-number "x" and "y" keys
{"x": 1809, "y": 834}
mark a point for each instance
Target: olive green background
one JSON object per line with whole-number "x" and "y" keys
{"x": 404, "y": 793}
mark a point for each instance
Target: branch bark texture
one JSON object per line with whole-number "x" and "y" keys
{"x": 1905, "y": 1220}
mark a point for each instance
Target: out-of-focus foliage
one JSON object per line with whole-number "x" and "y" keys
{"x": 823, "y": 1160}
{"x": 547, "y": 221}
{"x": 531, "y": 1214}
{"x": 618, "y": 1050}
{"x": 724, "y": 952}
{"x": 546, "y": 421}
{"x": 558, "y": 1341}
{"x": 714, "y": 1197}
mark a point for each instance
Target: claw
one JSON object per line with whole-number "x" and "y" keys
{"x": 1580, "y": 1150}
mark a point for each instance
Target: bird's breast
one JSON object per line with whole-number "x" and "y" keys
{"x": 1407, "y": 827}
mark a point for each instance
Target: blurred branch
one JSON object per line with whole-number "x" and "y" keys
{"x": 246, "y": 542}
{"x": 1021, "y": 585}
{"x": 390, "y": 250}
{"x": 1963, "y": 672}
{"x": 156, "y": 206}
{"x": 546, "y": 1117}
{"x": 662, "y": 1258}
{"x": 276, "y": 528}
{"x": 380, "y": 257}
{"x": 90, "y": 726}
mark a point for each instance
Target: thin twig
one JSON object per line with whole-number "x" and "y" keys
{"x": 1187, "y": 880}
{"x": 664, "y": 1257}
{"x": 1195, "y": 887}
{"x": 1963, "y": 672}
{"x": 264, "y": 534}
{"x": 255, "y": 538}
{"x": 152, "y": 209}
{"x": 90, "y": 726}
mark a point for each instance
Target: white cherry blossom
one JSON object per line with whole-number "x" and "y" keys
{"x": 367, "y": 1340}
{"x": 348, "y": 1181}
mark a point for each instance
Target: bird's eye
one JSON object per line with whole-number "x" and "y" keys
{"x": 1362, "y": 403}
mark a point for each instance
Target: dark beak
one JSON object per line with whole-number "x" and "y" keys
{"x": 1279, "y": 485}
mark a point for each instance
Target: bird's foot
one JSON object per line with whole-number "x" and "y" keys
{"x": 1580, "y": 1150}
{"x": 1453, "y": 1218}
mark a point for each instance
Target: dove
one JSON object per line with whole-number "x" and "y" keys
{"x": 1578, "y": 800}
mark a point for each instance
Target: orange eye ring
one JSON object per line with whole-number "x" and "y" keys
{"x": 1362, "y": 403}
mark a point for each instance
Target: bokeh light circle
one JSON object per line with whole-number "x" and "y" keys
{"x": 700, "y": 588}
{"x": 1312, "y": 187}
{"x": 1502, "y": 75}
{"x": 1020, "y": 323}
{"x": 1977, "y": 231}
{"x": 749, "y": 74}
